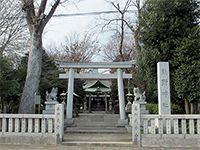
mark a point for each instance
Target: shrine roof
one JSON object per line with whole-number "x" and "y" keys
{"x": 97, "y": 86}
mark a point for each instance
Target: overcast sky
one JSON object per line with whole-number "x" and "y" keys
{"x": 59, "y": 27}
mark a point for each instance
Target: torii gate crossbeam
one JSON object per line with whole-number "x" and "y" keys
{"x": 95, "y": 76}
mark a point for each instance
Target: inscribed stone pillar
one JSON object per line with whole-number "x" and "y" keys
{"x": 70, "y": 94}
{"x": 121, "y": 95}
{"x": 164, "y": 102}
{"x": 135, "y": 122}
{"x": 59, "y": 120}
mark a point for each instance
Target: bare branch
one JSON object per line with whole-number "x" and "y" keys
{"x": 77, "y": 49}
{"x": 117, "y": 7}
{"x": 51, "y": 12}
{"x": 42, "y": 8}
{"x": 127, "y": 5}
{"x": 28, "y": 8}
{"x": 129, "y": 26}
{"x": 109, "y": 22}
{"x": 121, "y": 53}
{"x": 13, "y": 29}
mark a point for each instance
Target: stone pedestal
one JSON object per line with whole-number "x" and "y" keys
{"x": 69, "y": 122}
{"x": 129, "y": 126}
{"x": 143, "y": 107}
{"x": 50, "y": 107}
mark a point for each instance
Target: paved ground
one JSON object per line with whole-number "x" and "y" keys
{"x": 61, "y": 147}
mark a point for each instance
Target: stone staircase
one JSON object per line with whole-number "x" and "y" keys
{"x": 97, "y": 129}
{"x": 100, "y": 139}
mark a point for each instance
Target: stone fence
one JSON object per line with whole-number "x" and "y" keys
{"x": 165, "y": 130}
{"x": 32, "y": 128}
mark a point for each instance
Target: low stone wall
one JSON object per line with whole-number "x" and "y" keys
{"x": 186, "y": 141}
{"x": 32, "y": 128}
{"x": 12, "y": 138}
{"x": 164, "y": 130}
{"x": 170, "y": 130}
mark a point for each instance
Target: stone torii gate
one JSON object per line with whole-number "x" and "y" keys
{"x": 119, "y": 75}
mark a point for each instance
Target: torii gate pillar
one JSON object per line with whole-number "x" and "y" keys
{"x": 104, "y": 65}
{"x": 70, "y": 94}
{"x": 122, "y": 121}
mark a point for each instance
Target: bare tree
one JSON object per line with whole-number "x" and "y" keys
{"x": 37, "y": 16}
{"x": 13, "y": 29}
{"x": 138, "y": 5}
{"x": 121, "y": 29}
{"x": 76, "y": 49}
{"x": 122, "y": 19}
{"x": 111, "y": 52}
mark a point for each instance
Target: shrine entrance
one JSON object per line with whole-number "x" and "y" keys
{"x": 97, "y": 95}
{"x": 118, "y": 74}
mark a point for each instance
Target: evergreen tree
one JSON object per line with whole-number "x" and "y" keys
{"x": 50, "y": 77}
{"x": 164, "y": 26}
{"x": 9, "y": 87}
{"x": 187, "y": 73}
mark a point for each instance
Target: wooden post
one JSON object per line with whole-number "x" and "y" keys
{"x": 90, "y": 109}
{"x": 106, "y": 103}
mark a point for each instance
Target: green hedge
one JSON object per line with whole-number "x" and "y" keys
{"x": 153, "y": 109}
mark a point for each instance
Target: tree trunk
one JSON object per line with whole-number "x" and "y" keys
{"x": 187, "y": 107}
{"x": 122, "y": 39}
{"x": 33, "y": 75}
{"x": 191, "y": 108}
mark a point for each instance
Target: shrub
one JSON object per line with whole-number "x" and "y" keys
{"x": 153, "y": 109}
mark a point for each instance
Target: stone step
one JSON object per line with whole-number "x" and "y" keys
{"x": 97, "y": 137}
{"x": 97, "y": 143}
{"x": 95, "y": 129}
{"x": 96, "y": 119}
{"x": 101, "y": 139}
